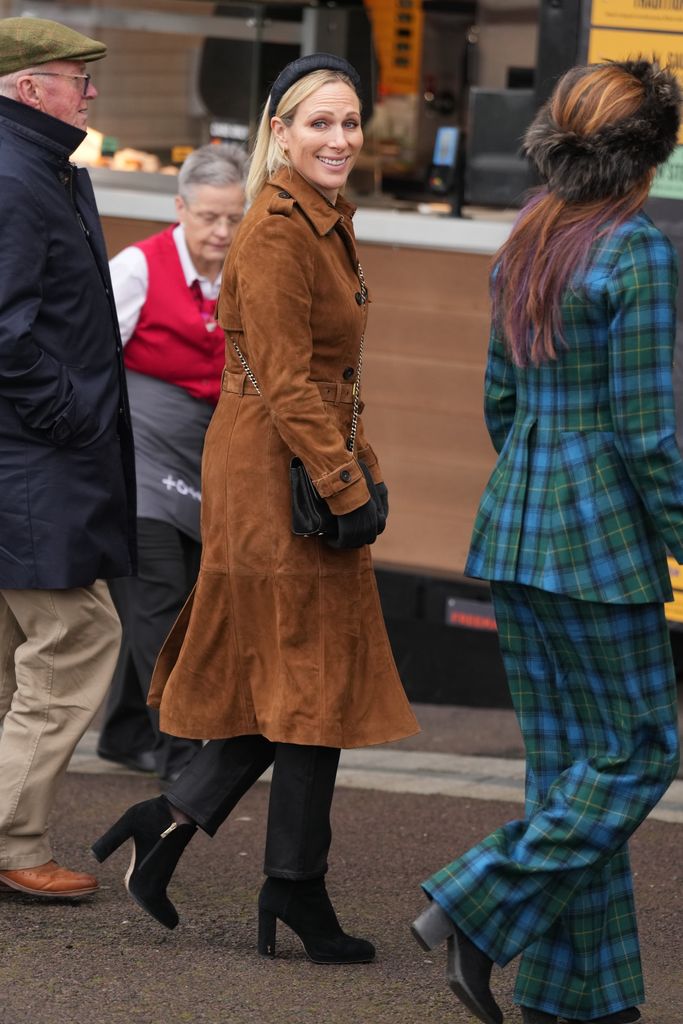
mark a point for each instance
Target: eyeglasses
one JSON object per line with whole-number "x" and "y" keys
{"x": 210, "y": 218}
{"x": 60, "y": 74}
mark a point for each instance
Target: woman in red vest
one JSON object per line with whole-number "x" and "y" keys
{"x": 166, "y": 289}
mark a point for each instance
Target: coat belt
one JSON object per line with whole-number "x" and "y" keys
{"x": 239, "y": 384}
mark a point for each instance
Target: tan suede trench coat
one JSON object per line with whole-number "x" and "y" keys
{"x": 283, "y": 636}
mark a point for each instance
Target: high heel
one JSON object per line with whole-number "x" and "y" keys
{"x": 468, "y": 969}
{"x": 267, "y": 924}
{"x": 305, "y": 907}
{"x": 158, "y": 843}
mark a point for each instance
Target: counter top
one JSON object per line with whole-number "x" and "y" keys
{"x": 430, "y": 231}
{"x": 375, "y": 226}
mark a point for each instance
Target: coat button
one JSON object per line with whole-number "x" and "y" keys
{"x": 284, "y": 195}
{"x": 360, "y": 298}
{"x": 348, "y": 373}
{"x": 345, "y": 475}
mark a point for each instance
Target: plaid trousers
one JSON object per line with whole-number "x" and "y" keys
{"x": 594, "y": 691}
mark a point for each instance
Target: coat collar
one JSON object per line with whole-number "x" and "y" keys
{"x": 320, "y": 211}
{"x": 49, "y": 132}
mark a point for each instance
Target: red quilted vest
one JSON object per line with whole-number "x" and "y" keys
{"x": 176, "y": 338}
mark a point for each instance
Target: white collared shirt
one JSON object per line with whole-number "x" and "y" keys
{"x": 130, "y": 279}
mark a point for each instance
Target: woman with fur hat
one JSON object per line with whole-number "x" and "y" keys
{"x": 572, "y": 531}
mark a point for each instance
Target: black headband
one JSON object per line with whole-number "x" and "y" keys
{"x": 303, "y": 66}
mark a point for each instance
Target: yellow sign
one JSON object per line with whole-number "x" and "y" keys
{"x": 606, "y": 44}
{"x": 651, "y": 15}
{"x": 674, "y": 609}
{"x": 397, "y": 27}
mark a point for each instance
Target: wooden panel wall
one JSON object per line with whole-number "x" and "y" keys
{"x": 423, "y": 385}
{"x": 122, "y": 231}
{"x": 144, "y": 85}
{"x": 147, "y": 83}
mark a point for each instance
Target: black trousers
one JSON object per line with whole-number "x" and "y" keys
{"x": 148, "y": 605}
{"x": 299, "y": 833}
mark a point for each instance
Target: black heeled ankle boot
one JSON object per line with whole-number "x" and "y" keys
{"x": 305, "y": 907}
{"x": 158, "y": 843}
{"x": 468, "y": 969}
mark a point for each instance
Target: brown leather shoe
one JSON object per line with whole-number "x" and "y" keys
{"x": 48, "y": 880}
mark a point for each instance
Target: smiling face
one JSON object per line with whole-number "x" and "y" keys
{"x": 324, "y": 138}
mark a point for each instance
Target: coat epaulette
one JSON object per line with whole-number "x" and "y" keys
{"x": 282, "y": 203}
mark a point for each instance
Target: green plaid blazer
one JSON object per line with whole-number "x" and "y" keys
{"x": 587, "y": 492}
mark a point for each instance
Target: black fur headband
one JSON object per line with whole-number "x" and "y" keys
{"x": 608, "y": 163}
{"x": 303, "y": 66}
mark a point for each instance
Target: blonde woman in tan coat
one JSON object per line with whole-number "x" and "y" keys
{"x": 281, "y": 656}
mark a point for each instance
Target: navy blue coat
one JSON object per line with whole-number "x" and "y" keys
{"x": 67, "y": 478}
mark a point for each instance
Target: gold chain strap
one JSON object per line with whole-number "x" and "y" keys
{"x": 351, "y": 443}
{"x": 246, "y": 367}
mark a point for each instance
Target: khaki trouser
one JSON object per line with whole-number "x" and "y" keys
{"x": 58, "y": 649}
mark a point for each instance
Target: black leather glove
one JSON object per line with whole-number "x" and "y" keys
{"x": 356, "y": 528}
{"x": 381, "y": 501}
{"x": 383, "y": 495}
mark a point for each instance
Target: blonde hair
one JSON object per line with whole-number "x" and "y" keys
{"x": 268, "y": 156}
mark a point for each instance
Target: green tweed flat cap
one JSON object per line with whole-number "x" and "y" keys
{"x": 25, "y": 42}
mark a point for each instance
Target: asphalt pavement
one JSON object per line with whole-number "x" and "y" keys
{"x": 399, "y": 813}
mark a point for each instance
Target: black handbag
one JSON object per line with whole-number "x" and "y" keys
{"x": 311, "y": 515}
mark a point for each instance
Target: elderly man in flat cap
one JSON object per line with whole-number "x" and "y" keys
{"x": 67, "y": 494}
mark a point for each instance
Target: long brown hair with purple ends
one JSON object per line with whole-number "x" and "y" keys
{"x": 552, "y": 238}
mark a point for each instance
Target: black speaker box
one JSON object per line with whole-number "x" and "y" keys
{"x": 559, "y": 43}
{"x": 444, "y": 640}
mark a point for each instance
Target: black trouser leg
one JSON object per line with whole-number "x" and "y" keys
{"x": 127, "y": 728}
{"x": 148, "y": 605}
{"x": 299, "y": 831}
{"x": 218, "y": 777}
